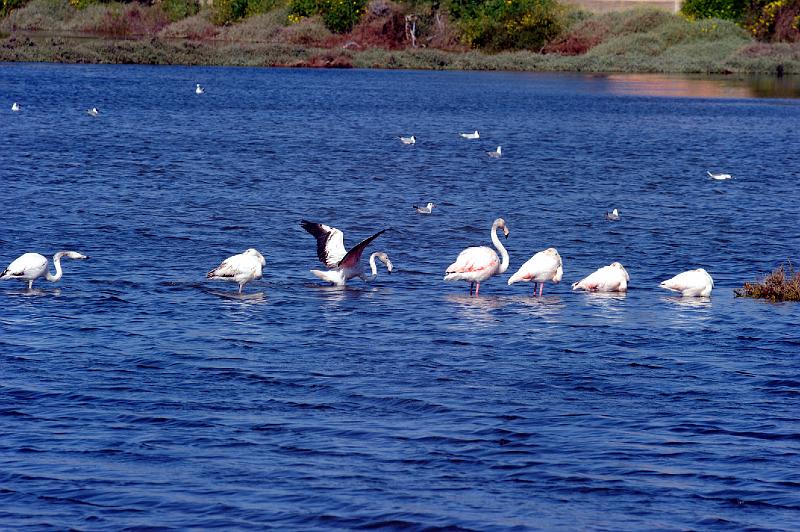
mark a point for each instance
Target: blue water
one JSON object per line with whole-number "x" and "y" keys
{"x": 135, "y": 393}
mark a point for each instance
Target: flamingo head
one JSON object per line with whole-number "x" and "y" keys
{"x": 384, "y": 258}
{"x": 71, "y": 255}
{"x": 254, "y": 253}
{"x": 501, "y": 224}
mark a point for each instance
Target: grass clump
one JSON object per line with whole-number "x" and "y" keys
{"x": 783, "y": 284}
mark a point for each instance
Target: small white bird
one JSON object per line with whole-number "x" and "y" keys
{"x": 496, "y": 154}
{"x": 692, "y": 283}
{"x": 15, "y": 107}
{"x": 241, "y": 268}
{"x": 544, "y": 266}
{"x": 424, "y": 210}
{"x": 719, "y": 177}
{"x": 93, "y": 112}
{"x": 612, "y": 278}
{"x": 408, "y": 140}
{"x": 475, "y": 135}
{"x": 198, "y": 89}
{"x": 31, "y": 266}
{"x": 612, "y": 216}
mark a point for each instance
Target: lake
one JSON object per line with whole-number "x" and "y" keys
{"x": 134, "y": 393}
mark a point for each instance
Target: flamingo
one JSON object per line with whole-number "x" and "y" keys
{"x": 426, "y": 209}
{"x": 544, "y": 266}
{"x": 15, "y": 107}
{"x": 719, "y": 177}
{"x": 477, "y": 264}
{"x": 93, "y": 112}
{"x": 475, "y": 135}
{"x": 343, "y": 265}
{"x": 612, "y": 278}
{"x": 241, "y": 268}
{"x": 692, "y": 283}
{"x": 496, "y": 154}
{"x": 31, "y": 266}
{"x": 612, "y": 216}
{"x": 408, "y": 140}
{"x": 198, "y": 89}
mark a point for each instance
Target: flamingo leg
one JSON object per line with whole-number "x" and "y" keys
{"x": 471, "y": 286}
{"x": 240, "y": 288}
{"x": 477, "y": 288}
{"x": 541, "y": 287}
{"x": 30, "y": 285}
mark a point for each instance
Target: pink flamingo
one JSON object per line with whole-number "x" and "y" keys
{"x": 611, "y": 278}
{"x": 343, "y": 265}
{"x": 544, "y": 266}
{"x": 477, "y": 264}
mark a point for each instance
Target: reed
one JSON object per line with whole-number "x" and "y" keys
{"x": 783, "y": 284}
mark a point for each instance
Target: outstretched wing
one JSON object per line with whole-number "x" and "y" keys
{"x": 352, "y": 258}
{"x": 330, "y": 242}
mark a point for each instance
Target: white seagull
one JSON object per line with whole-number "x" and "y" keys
{"x": 719, "y": 177}
{"x": 343, "y": 265}
{"x": 475, "y": 135}
{"x": 198, "y": 89}
{"x": 93, "y": 112}
{"x": 544, "y": 266}
{"x": 612, "y": 278}
{"x": 477, "y": 264}
{"x": 693, "y": 283}
{"x": 15, "y": 107}
{"x": 31, "y": 266}
{"x": 408, "y": 140}
{"x": 426, "y": 209}
{"x": 612, "y": 216}
{"x": 241, "y": 268}
{"x": 496, "y": 154}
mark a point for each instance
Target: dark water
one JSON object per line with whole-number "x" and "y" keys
{"x": 134, "y": 393}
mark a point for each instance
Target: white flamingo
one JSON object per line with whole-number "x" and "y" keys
{"x": 31, "y": 266}
{"x": 719, "y": 177}
{"x": 544, "y": 266}
{"x": 692, "y": 283}
{"x": 241, "y": 268}
{"x": 93, "y": 112}
{"x": 612, "y": 278}
{"x": 476, "y": 264}
{"x": 198, "y": 89}
{"x": 475, "y": 135}
{"x": 424, "y": 210}
{"x": 408, "y": 140}
{"x": 15, "y": 107}
{"x": 343, "y": 265}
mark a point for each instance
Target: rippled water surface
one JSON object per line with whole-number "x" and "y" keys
{"x": 135, "y": 393}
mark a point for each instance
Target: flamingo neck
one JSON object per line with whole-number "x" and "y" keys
{"x": 57, "y": 264}
{"x": 500, "y": 248}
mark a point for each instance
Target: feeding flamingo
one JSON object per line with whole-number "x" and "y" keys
{"x": 612, "y": 278}
{"x": 241, "y": 268}
{"x": 692, "y": 283}
{"x": 477, "y": 264}
{"x": 31, "y": 266}
{"x": 544, "y": 266}
{"x": 343, "y": 265}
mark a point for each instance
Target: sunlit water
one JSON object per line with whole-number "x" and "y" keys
{"x": 136, "y": 393}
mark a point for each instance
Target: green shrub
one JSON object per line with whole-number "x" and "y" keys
{"x": 229, "y": 11}
{"x": 724, "y": 9}
{"x": 339, "y": 16}
{"x": 179, "y": 9}
{"x": 512, "y": 24}
{"x": 10, "y": 5}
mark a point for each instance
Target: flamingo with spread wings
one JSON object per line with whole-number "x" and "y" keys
{"x": 342, "y": 265}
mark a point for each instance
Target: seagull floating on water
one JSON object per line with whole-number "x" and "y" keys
{"x": 476, "y": 264}
{"x": 343, "y": 265}
{"x": 15, "y": 107}
{"x": 693, "y": 283}
{"x": 241, "y": 268}
{"x": 427, "y": 209}
{"x": 475, "y": 135}
{"x": 544, "y": 266}
{"x": 719, "y": 177}
{"x": 408, "y": 140}
{"x": 31, "y": 266}
{"x": 198, "y": 89}
{"x": 612, "y": 278}
{"x": 496, "y": 153}
{"x": 93, "y": 112}
{"x": 612, "y": 216}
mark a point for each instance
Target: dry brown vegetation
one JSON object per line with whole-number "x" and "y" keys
{"x": 783, "y": 284}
